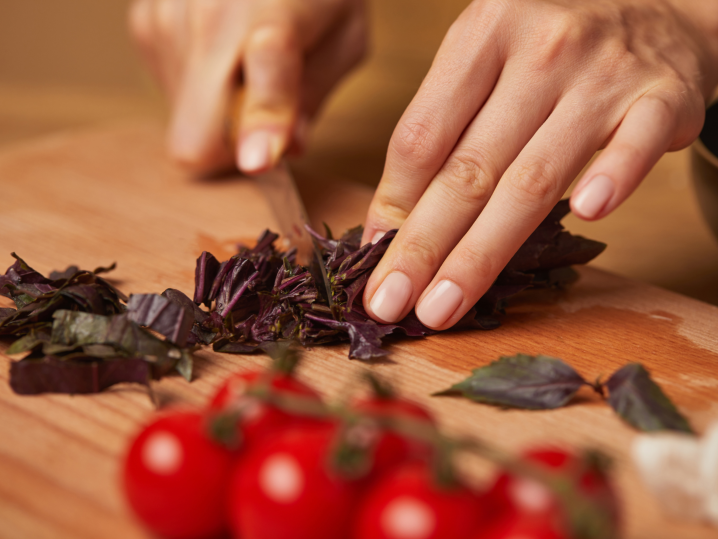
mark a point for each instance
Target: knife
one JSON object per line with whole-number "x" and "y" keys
{"x": 280, "y": 191}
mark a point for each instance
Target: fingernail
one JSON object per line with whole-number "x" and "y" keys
{"x": 392, "y": 296}
{"x": 439, "y": 304}
{"x": 590, "y": 200}
{"x": 255, "y": 152}
{"x": 377, "y": 236}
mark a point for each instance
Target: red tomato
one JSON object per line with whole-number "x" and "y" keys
{"x": 407, "y": 504}
{"x": 260, "y": 419}
{"x": 176, "y": 477}
{"x": 284, "y": 488}
{"x": 523, "y": 527}
{"x": 392, "y": 448}
{"x": 518, "y": 499}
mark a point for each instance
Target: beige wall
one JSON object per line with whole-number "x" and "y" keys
{"x": 67, "y": 42}
{"x": 70, "y": 63}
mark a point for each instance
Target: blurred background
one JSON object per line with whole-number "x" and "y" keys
{"x": 69, "y": 64}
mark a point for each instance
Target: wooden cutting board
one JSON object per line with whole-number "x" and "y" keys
{"x": 103, "y": 196}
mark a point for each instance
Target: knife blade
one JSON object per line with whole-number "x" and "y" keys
{"x": 280, "y": 190}
{"x": 282, "y": 195}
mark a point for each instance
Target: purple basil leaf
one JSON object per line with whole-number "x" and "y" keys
{"x": 229, "y": 347}
{"x": 86, "y": 297}
{"x": 54, "y": 375}
{"x": 157, "y": 312}
{"x": 21, "y": 273}
{"x": 38, "y": 297}
{"x": 327, "y": 244}
{"x": 204, "y": 275}
{"x": 105, "y": 269}
{"x": 364, "y": 337}
{"x": 550, "y": 246}
{"x": 179, "y": 298}
{"x": 71, "y": 328}
{"x": 231, "y": 283}
{"x": 67, "y": 274}
{"x": 641, "y": 402}
{"x": 6, "y": 313}
{"x": 354, "y": 289}
{"x": 521, "y": 381}
{"x": 352, "y": 237}
{"x": 32, "y": 341}
{"x": 265, "y": 244}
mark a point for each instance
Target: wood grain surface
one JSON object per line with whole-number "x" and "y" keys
{"x": 102, "y": 196}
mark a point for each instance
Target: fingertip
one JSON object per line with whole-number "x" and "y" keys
{"x": 391, "y": 298}
{"x": 377, "y": 236}
{"x": 439, "y": 305}
{"x": 260, "y": 151}
{"x": 140, "y": 22}
{"x": 593, "y": 199}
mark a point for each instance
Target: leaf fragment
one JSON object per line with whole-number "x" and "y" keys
{"x": 157, "y": 312}
{"x": 521, "y": 381}
{"x": 641, "y": 402}
{"x": 54, "y": 375}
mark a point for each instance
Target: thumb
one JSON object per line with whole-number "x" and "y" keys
{"x": 273, "y": 64}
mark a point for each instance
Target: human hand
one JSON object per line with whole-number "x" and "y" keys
{"x": 520, "y": 96}
{"x": 287, "y": 54}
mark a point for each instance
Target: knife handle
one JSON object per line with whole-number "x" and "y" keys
{"x": 232, "y": 117}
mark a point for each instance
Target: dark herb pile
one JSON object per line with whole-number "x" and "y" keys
{"x": 83, "y": 335}
{"x": 262, "y": 295}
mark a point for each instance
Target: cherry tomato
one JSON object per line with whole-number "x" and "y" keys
{"x": 523, "y": 527}
{"x": 260, "y": 419}
{"x": 393, "y": 448}
{"x": 408, "y": 504}
{"x": 176, "y": 477}
{"x": 526, "y": 502}
{"x": 285, "y": 488}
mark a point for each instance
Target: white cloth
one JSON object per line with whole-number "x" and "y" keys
{"x": 682, "y": 472}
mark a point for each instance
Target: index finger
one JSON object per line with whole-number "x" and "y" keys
{"x": 436, "y": 118}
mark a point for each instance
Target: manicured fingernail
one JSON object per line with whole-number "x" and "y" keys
{"x": 590, "y": 200}
{"x": 439, "y": 304}
{"x": 255, "y": 152}
{"x": 392, "y": 296}
{"x": 377, "y": 236}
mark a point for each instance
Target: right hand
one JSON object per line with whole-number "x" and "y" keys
{"x": 288, "y": 55}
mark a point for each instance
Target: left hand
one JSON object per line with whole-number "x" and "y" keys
{"x": 520, "y": 96}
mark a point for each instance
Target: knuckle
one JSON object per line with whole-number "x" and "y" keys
{"x": 564, "y": 34}
{"x": 417, "y": 140}
{"x": 493, "y": 11}
{"x": 206, "y": 17}
{"x": 389, "y": 211}
{"x": 418, "y": 249}
{"x": 632, "y": 152}
{"x": 535, "y": 182}
{"x": 141, "y": 21}
{"x": 165, "y": 17}
{"x": 679, "y": 111}
{"x": 468, "y": 177}
{"x": 482, "y": 266}
{"x": 663, "y": 105}
{"x": 274, "y": 37}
